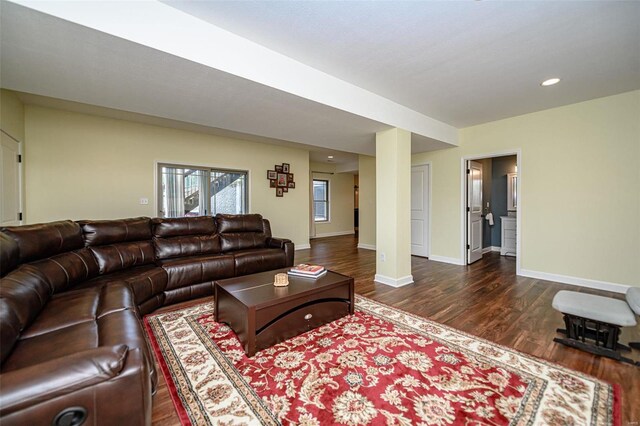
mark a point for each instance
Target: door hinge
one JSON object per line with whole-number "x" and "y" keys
{"x": 468, "y": 171}
{"x": 20, "y": 216}
{"x": 468, "y": 209}
{"x": 468, "y": 246}
{"x": 19, "y": 158}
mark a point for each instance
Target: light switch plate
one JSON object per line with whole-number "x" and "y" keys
{"x": 144, "y": 201}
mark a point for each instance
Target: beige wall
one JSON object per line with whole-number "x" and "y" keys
{"x": 367, "y": 201}
{"x": 340, "y": 200}
{"x": 580, "y": 184}
{"x": 12, "y": 122}
{"x": 81, "y": 166}
{"x": 11, "y": 114}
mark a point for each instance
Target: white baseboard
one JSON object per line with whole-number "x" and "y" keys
{"x": 444, "y": 259}
{"x": 366, "y": 246}
{"x": 393, "y": 282}
{"x": 333, "y": 234}
{"x": 303, "y": 246}
{"x": 490, "y": 249}
{"x": 582, "y": 282}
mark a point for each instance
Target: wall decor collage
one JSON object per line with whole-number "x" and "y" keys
{"x": 281, "y": 179}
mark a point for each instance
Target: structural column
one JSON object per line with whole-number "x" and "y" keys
{"x": 393, "y": 207}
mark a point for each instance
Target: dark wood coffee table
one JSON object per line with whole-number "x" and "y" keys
{"x": 263, "y": 315}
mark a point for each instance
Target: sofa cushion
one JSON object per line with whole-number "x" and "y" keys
{"x": 117, "y": 257}
{"x": 239, "y": 232}
{"x": 145, "y": 281}
{"x": 8, "y": 254}
{"x": 241, "y": 241}
{"x": 44, "y": 240}
{"x": 77, "y": 306}
{"x": 239, "y": 223}
{"x": 9, "y": 329}
{"x": 191, "y": 270}
{"x": 116, "y": 328}
{"x": 191, "y": 292}
{"x": 103, "y": 232}
{"x": 192, "y": 245}
{"x": 65, "y": 270}
{"x": 259, "y": 260}
{"x": 27, "y": 291}
{"x": 182, "y": 226}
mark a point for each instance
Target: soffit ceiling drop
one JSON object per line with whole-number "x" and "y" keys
{"x": 149, "y": 58}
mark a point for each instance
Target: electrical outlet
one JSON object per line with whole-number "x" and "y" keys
{"x": 144, "y": 201}
{"x": 383, "y": 257}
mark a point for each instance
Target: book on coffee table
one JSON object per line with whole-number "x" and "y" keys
{"x": 309, "y": 271}
{"x": 295, "y": 274}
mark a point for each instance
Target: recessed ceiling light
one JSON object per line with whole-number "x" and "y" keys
{"x": 330, "y": 157}
{"x": 550, "y": 82}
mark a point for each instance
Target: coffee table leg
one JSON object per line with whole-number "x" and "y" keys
{"x": 216, "y": 298}
{"x": 251, "y": 332}
{"x": 352, "y": 300}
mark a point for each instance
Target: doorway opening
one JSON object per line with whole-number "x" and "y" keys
{"x": 491, "y": 200}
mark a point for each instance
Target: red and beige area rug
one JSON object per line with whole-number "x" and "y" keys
{"x": 379, "y": 366}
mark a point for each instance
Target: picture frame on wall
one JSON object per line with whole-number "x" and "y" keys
{"x": 281, "y": 179}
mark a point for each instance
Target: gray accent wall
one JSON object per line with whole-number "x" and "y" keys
{"x": 499, "y": 168}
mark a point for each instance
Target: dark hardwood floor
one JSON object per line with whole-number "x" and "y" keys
{"x": 485, "y": 299}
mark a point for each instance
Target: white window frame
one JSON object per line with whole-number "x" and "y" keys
{"x": 328, "y": 201}
{"x": 206, "y": 169}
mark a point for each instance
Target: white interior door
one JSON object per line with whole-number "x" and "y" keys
{"x": 474, "y": 211}
{"x": 9, "y": 181}
{"x": 420, "y": 210}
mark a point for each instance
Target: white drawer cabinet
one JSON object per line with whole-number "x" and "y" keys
{"x": 508, "y": 244}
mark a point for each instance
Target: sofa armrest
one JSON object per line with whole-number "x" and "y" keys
{"x": 41, "y": 382}
{"x": 284, "y": 244}
{"x": 274, "y": 242}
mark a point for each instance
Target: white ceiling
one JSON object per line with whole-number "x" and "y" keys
{"x": 461, "y": 63}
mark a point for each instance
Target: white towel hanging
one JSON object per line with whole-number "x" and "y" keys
{"x": 489, "y": 217}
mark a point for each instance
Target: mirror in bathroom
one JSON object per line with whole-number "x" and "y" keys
{"x": 512, "y": 191}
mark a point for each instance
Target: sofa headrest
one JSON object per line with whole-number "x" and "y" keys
{"x": 239, "y": 223}
{"x": 182, "y": 226}
{"x": 8, "y": 254}
{"x": 103, "y": 232}
{"x": 45, "y": 239}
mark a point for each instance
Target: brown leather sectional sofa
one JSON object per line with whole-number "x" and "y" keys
{"x": 72, "y": 295}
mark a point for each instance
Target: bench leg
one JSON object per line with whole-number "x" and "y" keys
{"x": 596, "y": 350}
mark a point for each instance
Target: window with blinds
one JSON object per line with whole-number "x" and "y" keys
{"x": 197, "y": 191}
{"x": 321, "y": 200}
